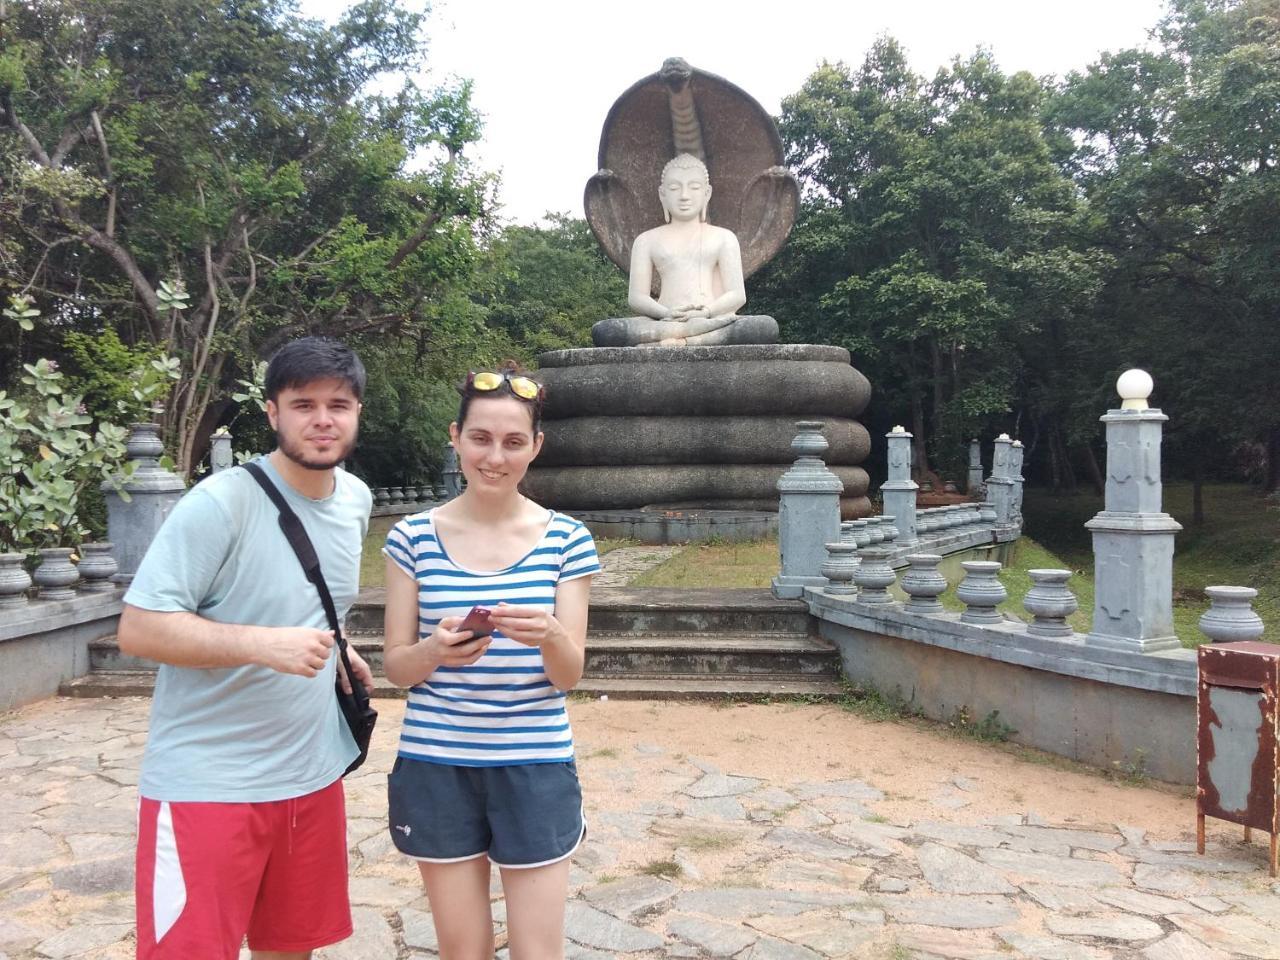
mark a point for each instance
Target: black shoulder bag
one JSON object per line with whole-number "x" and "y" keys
{"x": 355, "y": 706}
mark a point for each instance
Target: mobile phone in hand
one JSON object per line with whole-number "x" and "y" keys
{"x": 477, "y": 621}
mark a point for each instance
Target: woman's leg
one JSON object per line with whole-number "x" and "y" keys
{"x": 535, "y": 910}
{"x": 459, "y": 897}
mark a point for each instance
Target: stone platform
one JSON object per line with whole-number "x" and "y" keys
{"x": 694, "y": 427}
{"x": 699, "y": 848}
{"x": 679, "y": 526}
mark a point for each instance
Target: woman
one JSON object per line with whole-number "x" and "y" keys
{"x": 485, "y": 771}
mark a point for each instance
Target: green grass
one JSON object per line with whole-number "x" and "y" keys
{"x": 751, "y": 563}
{"x": 373, "y": 571}
{"x": 754, "y": 564}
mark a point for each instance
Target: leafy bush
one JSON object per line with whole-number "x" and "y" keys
{"x": 49, "y": 458}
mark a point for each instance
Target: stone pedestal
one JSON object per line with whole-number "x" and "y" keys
{"x": 808, "y": 514}
{"x": 451, "y": 473}
{"x": 693, "y": 427}
{"x": 1016, "y": 452}
{"x": 1000, "y": 485}
{"x": 1133, "y": 540}
{"x": 220, "y": 454}
{"x": 974, "y": 487}
{"x": 132, "y": 524}
{"x": 899, "y": 491}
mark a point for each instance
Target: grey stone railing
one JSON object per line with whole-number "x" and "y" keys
{"x": 1039, "y": 676}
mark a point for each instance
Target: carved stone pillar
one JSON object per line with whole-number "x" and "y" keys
{"x": 899, "y": 491}
{"x": 220, "y": 454}
{"x": 452, "y": 474}
{"x": 975, "y": 486}
{"x": 1016, "y": 452}
{"x": 132, "y": 524}
{"x": 808, "y": 513}
{"x": 1133, "y": 536}
{"x": 1000, "y": 483}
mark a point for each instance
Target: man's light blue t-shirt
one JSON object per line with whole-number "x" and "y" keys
{"x": 248, "y": 734}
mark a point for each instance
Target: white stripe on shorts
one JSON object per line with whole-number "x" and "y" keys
{"x": 168, "y": 888}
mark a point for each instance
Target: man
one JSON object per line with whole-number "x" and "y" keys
{"x": 242, "y": 825}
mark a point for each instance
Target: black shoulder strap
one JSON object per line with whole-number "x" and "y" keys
{"x": 296, "y": 534}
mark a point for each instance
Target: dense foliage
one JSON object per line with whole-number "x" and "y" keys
{"x": 995, "y": 248}
{"x": 206, "y": 178}
{"x": 214, "y": 178}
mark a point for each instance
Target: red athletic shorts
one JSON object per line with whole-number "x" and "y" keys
{"x": 209, "y": 873}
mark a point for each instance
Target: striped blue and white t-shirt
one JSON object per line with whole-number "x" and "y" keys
{"x": 501, "y": 710}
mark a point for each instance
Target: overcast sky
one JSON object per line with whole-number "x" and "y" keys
{"x": 547, "y": 71}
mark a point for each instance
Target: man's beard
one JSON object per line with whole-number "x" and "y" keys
{"x": 295, "y": 453}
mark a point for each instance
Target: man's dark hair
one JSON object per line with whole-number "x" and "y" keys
{"x": 310, "y": 359}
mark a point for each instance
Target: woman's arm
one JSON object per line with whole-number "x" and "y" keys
{"x": 407, "y": 660}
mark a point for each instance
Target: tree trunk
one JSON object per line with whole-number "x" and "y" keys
{"x": 919, "y": 450}
{"x": 1095, "y": 472}
{"x": 1064, "y": 478}
{"x": 1272, "y": 482}
{"x": 1197, "y": 490}
{"x": 1055, "y": 468}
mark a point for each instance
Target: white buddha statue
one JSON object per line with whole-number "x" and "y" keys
{"x": 699, "y": 268}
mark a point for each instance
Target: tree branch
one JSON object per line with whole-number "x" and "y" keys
{"x": 413, "y": 242}
{"x": 111, "y": 177}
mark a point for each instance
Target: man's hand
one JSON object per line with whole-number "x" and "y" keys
{"x": 298, "y": 650}
{"x": 359, "y": 668}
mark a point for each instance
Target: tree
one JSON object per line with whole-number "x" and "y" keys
{"x": 544, "y": 286}
{"x": 934, "y": 240}
{"x": 1176, "y": 151}
{"x": 213, "y": 178}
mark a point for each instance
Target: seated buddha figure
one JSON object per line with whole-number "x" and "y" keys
{"x": 699, "y": 270}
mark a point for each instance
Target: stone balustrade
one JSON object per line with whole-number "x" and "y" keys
{"x": 406, "y": 499}
{"x": 1038, "y": 674}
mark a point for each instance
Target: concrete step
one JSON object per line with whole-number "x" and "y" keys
{"x": 741, "y": 655}
{"x": 657, "y": 687}
{"x": 140, "y": 683}
{"x": 709, "y": 688}
{"x": 657, "y": 610}
{"x": 680, "y": 653}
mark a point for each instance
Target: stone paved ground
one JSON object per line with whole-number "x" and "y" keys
{"x": 763, "y": 831}
{"x": 621, "y": 566}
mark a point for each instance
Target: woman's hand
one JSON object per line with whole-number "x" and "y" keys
{"x": 449, "y": 647}
{"x": 528, "y": 625}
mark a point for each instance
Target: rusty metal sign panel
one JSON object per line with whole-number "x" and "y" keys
{"x": 1236, "y": 759}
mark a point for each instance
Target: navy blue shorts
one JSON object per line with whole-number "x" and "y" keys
{"x": 525, "y": 815}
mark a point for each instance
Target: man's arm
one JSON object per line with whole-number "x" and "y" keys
{"x": 188, "y": 640}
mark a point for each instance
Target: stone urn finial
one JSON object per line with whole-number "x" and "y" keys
{"x": 1134, "y": 387}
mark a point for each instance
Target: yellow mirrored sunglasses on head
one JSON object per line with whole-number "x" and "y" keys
{"x": 521, "y": 386}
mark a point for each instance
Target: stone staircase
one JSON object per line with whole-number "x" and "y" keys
{"x": 642, "y": 643}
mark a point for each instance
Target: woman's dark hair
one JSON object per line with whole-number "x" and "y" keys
{"x": 510, "y": 367}
{"x": 309, "y": 359}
